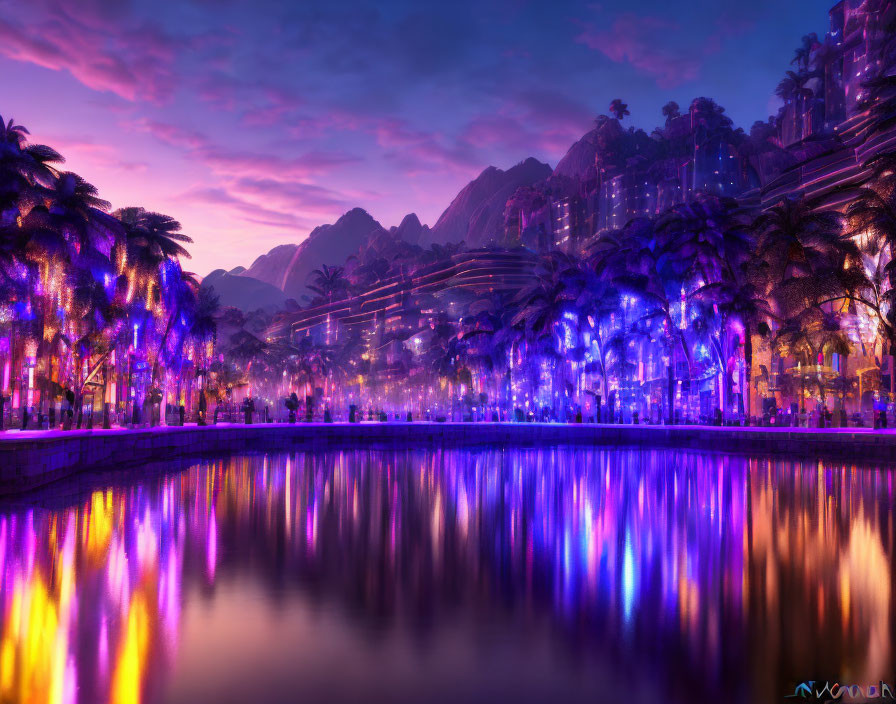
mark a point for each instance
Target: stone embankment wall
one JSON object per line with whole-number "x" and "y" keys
{"x": 30, "y": 459}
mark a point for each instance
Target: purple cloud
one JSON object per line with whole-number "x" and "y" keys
{"x": 249, "y": 211}
{"x": 232, "y": 162}
{"x": 135, "y": 62}
{"x": 643, "y": 42}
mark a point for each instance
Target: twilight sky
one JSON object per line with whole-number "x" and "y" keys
{"x": 253, "y": 122}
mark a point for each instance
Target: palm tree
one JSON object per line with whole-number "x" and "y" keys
{"x": 811, "y": 332}
{"x": 803, "y": 52}
{"x": 646, "y": 266}
{"x": 809, "y": 266}
{"x": 598, "y": 303}
{"x": 152, "y": 247}
{"x": 24, "y": 168}
{"x": 330, "y": 283}
{"x": 488, "y": 330}
{"x": 872, "y": 223}
{"x": 548, "y": 317}
{"x": 671, "y": 111}
{"x": 793, "y": 87}
{"x": 713, "y": 250}
{"x": 97, "y": 324}
{"x": 874, "y": 208}
{"x": 75, "y": 208}
{"x": 618, "y": 109}
{"x": 204, "y": 316}
{"x": 803, "y": 255}
{"x": 180, "y": 295}
{"x": 67, "y": 231}
{"x": 151, "y": 239}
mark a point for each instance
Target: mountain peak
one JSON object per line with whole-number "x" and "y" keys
{"x": 354, "y": 218}
{"x": 328, "y": 244}
{"x": 410, "y": 220}
{"x": 410, "y": 229}
{"x": 355, "y": 213}
{"x": 476, "y": 215}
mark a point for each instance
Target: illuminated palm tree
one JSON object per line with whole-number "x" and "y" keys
{"x": 872, "y": 223}
{"x": 713, "y": 250}
{"x": 153, "y": 237}
{"x": 803, "y": 254}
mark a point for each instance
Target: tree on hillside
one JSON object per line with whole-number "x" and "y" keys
{"x": 618, "y": 109}
{"x": 671, "y": 111}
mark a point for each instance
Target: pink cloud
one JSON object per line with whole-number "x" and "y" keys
{"x": 508, "y": 133}
{"x": 533, "y": 121}
{"x": 418, "y": 150}
{"x": 644, "y": 42}
{"x": 249, "y": 211}
{"x": 172, "y": 135}
{"x": 134, "y": 62}
{"x": 260, "y": 165}
{"x": 231, "y": 162}
{"x": 252, "y": 186}
{"x": 307, "y": 199}
{"x": 85, "y": 148}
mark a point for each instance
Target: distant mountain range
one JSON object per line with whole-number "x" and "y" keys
{"x": 475, "y": 216}
{"x": 244, "y": 292}
{"x": 288, "y": 266}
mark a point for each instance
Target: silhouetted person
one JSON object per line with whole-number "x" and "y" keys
{"x": 248, "y": 410}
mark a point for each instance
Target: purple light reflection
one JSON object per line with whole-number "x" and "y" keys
{"x": 662, "y": 565}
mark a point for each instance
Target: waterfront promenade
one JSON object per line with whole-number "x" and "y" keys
{"x": 30, "y": 459}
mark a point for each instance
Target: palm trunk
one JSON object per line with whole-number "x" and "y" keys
{"x": 748, "y": 365}
{"x": 164, "y": 342}
{"x": 723, "y": 376}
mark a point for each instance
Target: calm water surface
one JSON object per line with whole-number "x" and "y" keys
{"x": 553, "y": 575}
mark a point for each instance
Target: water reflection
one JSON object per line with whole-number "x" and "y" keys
{"x": 645, "y": 575}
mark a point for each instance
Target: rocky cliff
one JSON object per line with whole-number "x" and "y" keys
{"x": 476, "y": 215}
